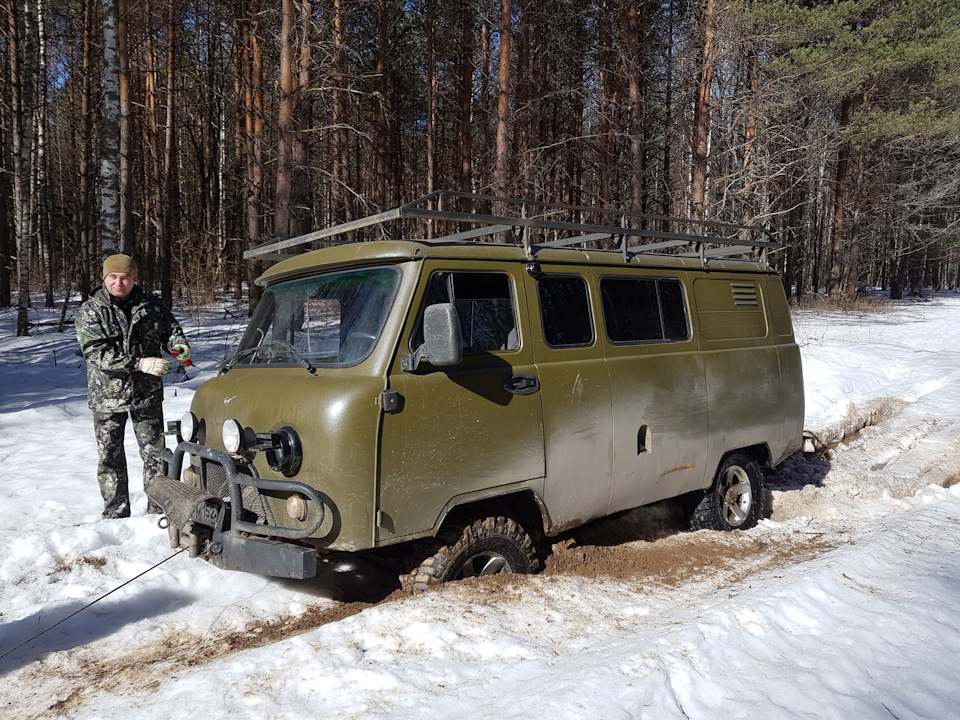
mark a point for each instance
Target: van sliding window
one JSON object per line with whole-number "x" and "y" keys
{"x": 564, "y": 310}
{"x": 638, "y": 310}
{"x": 485, "y": 307}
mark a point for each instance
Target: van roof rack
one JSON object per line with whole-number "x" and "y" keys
{"x": 537, "y": 225}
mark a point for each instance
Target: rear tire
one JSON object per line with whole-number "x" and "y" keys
{"x": 735, "y": 500}
{"x": 491, "y": 546}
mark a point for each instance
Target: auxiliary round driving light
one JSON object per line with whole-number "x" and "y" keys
{"x": 188, "y": 427}
{"x": 286, "y": 456}
{"x": 232, "y": 436}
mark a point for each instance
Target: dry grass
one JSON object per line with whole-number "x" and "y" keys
{"x": 862, "y": 303}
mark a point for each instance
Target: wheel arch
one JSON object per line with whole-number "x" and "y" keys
{"x": 759, "y": 453}
{"x": 523, "y": 506}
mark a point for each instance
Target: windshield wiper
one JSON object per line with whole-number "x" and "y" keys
{"x": 298, "y": 355}
{"x": 277, "y": 346}
{"x": 236, "y": 357}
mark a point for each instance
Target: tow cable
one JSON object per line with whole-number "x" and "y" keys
{"x": 89, "y": 604}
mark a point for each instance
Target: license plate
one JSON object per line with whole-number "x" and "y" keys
{"x": 205, "y": 513}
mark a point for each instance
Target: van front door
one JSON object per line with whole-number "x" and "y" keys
{"x": 464, "y": 429}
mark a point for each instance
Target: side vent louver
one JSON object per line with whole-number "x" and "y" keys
{"x": 744, "y": 294}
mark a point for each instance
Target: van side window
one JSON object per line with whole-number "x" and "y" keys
{"x": 639, "y": 310}
{"x": 564, "y": 310}
{"x": 484, "y": 305}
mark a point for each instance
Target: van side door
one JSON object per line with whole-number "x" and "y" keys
{"x": 575, "y": 394}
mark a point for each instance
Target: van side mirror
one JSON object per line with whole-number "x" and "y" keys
{"x": 442, "y": 342}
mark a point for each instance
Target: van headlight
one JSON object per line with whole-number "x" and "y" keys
{"x": 232, "y": 436}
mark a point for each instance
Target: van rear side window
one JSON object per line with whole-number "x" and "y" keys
{"x": 565, "y": 310}
{"x": 639, "y": 310}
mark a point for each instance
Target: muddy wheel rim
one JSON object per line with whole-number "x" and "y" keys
{"x": 484, "y": 563}
{"x": 736, "y": 495}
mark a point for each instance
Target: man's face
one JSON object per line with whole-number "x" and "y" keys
{"x": 119, "y": 284}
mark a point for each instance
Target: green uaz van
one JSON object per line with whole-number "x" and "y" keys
{"x": 460, "y": 402}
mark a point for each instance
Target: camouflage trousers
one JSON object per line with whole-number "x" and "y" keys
{"x": 112, "y": 467}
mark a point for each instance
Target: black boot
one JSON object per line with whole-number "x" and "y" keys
{"x": 118, "y": 507}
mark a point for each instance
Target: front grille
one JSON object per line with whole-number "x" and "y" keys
{"x": 215, "y": 483}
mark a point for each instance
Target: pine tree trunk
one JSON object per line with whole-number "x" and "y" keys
{"x": 701, "y": 113}
{"x": 839, "y": 191}
{"x": 253, "y": 62}
{"x": 466, "y": 96}
{"x": 636, "y": 104}
{"x": 431, "y": 103}
{"x": 342, "y": 183}
{"x": 381, "y": 124}
{"x": 502, "y": 153}
{"x": 169, "y": 169}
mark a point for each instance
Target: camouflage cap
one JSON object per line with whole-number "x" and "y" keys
{"x": 120, "y": 263}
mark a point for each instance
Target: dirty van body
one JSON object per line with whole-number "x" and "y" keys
{"x": 456, "y": 403}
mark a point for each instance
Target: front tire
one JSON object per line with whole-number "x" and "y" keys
{"x": 491, "y": 546}
{"x": 735, "y": 499}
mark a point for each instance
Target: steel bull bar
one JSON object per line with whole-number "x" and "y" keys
{"x": 199, "y": 521}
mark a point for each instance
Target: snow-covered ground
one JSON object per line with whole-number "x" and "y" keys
{"x": 841, "y": 604}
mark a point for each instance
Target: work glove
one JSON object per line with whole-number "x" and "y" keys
{"x": 182, "y": 353}
{"x": 153, "y": 366}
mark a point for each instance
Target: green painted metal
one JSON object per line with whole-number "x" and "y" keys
{"x": 607, "y": 426}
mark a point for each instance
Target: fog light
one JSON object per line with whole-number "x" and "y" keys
{"x": 232, "y": 434}
{"x": 297, "y": 507}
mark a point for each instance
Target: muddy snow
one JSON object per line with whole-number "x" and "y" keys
{"x": 840, "y": 604}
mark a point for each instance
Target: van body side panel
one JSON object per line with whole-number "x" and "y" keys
{"x": 660, "y": 415}
{"x": 577, "y": 418}
{"x": 660, "y": 421}
{"x": 742, "y": 365}
{"x": 458, "y": 430}
{"x": 336, "y": 415}
{"x": 791, "y": 381}
{"x": 791, "y": 371}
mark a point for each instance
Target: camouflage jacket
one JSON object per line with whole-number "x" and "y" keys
{"x": 112, "y": 345}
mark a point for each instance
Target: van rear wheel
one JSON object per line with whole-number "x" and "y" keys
{"x": 491, "y": 546}
{"x": 735, "y": 499}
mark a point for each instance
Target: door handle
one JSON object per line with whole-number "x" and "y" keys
{"x": 522, "y": 384}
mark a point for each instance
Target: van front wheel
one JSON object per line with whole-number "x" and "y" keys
{"x": 491, "y": 546}
{"x": 735, "y": 499}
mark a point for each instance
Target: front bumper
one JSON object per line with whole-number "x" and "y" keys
{"x": 213, "y": 527}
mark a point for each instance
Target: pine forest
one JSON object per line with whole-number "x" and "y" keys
{"x": 185, "y": 132}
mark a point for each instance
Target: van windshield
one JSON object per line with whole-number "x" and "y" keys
{"x": 330, "y": 320}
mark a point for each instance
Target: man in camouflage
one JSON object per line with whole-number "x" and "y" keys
{"x": 122, "y": 331}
